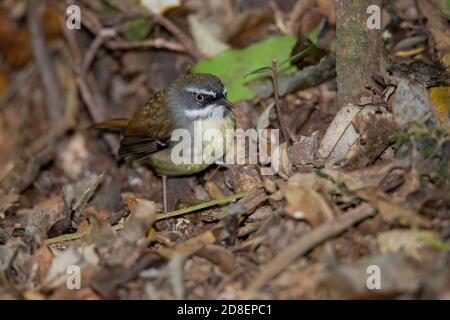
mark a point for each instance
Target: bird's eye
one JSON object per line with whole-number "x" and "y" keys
{"x": 199, "y": 97}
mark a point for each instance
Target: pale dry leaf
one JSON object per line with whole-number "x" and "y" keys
{"x": 80, "y": 256}
{"x": 73, "y": 158}
{"x": 160, "y": 6}
{"x": 409, "y": 242}
{"x": 207, "y": 41}
{"x": 264, "y": 118}
{"x": 307, "y": 204}
{"x": 341, "y": 134}
{"x": 412, "y": 103}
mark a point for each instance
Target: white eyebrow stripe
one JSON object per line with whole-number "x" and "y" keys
{"x": 201, "y": 91}
{"x": 224, "y": 92}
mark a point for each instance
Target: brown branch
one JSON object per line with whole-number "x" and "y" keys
{"x": 81, "y": 73}
{"x": 306, "y": 78}
{"x": 315, "y": 237}
{"x": 129, "y": 13}
{"x": 89, "y": 57}
{"x": 157, "y": 43}
{"x": 43, "y": 62}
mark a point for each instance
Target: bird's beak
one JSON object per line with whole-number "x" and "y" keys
{"x": 224, "y": 102}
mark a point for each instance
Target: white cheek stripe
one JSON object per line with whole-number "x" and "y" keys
{"x": 201, "y": 91}
{"x": 210, "y": 111}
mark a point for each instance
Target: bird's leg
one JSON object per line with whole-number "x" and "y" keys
{"x": 164, "y": 185}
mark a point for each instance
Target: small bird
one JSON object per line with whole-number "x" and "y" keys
{"x": 189, "y": 101}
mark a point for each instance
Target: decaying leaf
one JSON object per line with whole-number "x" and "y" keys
{"x": 304, "y": 151}
{"x": 393, "y": 211}
{"x": 377, "y": 129}
{"x": 308, "y": 204}
{"x": 219, "y": 256}
{"x": 412, "y": 103}
{"x": 409, "y": 242}
{"x": 244, "y": 178}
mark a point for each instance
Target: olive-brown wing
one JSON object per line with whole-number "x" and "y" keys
{"x": 148, "y": 131}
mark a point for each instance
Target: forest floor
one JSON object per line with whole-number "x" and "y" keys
{"x": 360, "y": 207}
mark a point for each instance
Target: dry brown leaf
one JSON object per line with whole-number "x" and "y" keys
{"x": 307, "y": 204}
{"x": 392, "y": 211}
{"x": 190, "y": 246}
{"x": 7, "y": 200}
{"x": 244, "y": 178}
{"x": 303, "y": 152}
{"x": 377, "y": 129}
{"x": 219, "y": 256}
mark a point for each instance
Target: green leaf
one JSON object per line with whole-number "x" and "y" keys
{"x": 236, "y": 67}
{"x": 292, "y": 58}
{"x": 259, "y": 71}
{"x": 138, "y": 29}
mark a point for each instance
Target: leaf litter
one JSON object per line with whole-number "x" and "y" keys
{"x": 367, "y": 185}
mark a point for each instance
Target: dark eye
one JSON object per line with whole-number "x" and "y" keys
{"x": 199, "y": 97}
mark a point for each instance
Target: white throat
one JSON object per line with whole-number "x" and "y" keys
{"x": 212, "y": 111}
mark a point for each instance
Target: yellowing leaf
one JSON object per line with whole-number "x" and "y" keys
{"x": 440, "y": 96}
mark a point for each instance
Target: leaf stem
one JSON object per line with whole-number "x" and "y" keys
{"x": 208, "y": 204}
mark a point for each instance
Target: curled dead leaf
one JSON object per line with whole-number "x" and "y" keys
{"x": 307, "y": 204}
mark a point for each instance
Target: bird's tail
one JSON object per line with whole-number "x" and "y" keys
{"x": 117, "y": 125}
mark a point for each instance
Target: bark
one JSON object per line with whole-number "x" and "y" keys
{"x": 358, "y": 50}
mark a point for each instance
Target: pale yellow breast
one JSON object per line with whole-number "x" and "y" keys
{"x": 212, "y": 149}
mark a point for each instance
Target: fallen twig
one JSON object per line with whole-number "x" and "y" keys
{"x": 216, "y": 202}
{"x": 307, "y": 242}
{"x": 158, "y": 43}
{"x": 87, "y": 195}
{"x": 306, "y": 78}
{"x": 89, "y": 57}
{"x": 43, "y": 62}
{"x": 186, "y": 42}
{"x": 81, "y": 73}
{"x": 284, "y": 132}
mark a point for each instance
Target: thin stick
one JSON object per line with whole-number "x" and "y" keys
{"x": 44, "y": 65}
{"x": 187, "y": 43}
{"x": 164, "y": 186}
{"x": 307, "y": 242}
{"x": 89, "y": 57}
{"x": 212, "y": 203}
{"x": 158, "y": 43}
{"x": 284, "y": 132}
